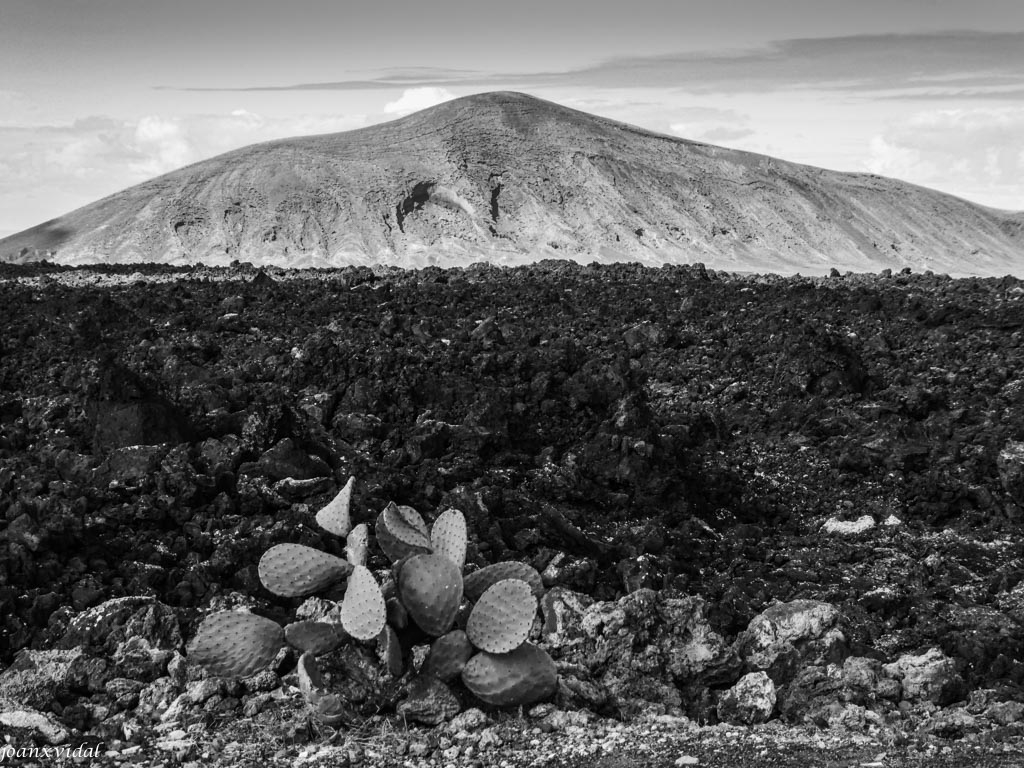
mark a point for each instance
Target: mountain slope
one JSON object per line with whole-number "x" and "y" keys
{"x": 509, "y": 178}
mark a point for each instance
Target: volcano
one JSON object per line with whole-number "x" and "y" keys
{"x": 508, "y": 178}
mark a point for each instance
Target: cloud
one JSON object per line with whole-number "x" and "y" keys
{"x": 710, "y": 124}
{"x": 152, "y": 144}
{"x": 979, "y": 152}
{"x": 415, "y": 99}
{"x": 378, "y": 79}
{"x": 855, "y": 63}
{"x": 54, "y": 168}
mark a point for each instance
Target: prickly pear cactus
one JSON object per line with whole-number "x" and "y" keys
{"x": 327, "y": 707}
{"x": 362, "y": 610}
{"x": 295, "y": 570}
{"x": 335, "y": 517}
{"x": 524, "y": 676}
{"x": 236, "y": 644}
{"x": 426, "y": 589}
{"x": 357, "y": 545}
{"x": 480, "y": 581}
{"x": 502, "y": 617}
{"x": 389, "y": 651}
{"x": 448, "y": 656}
{"x": 430, "y": 587}
{"x": 316, "y": 637}
{"x": 401, "y": 532}
{"x": 448, "y": 536}
{"x": 398, "y": 616}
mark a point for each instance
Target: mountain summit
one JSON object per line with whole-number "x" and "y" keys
{"x": 509, "y": 178}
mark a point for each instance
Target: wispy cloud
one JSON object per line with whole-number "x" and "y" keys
{"x": 853, "y": 63}
{"x": 405, "y": 77}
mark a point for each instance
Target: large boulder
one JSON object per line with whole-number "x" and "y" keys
{"x": 647, "y": 651}
{"x": 786, "y": 635}
{"x": 812, "y": 695}
{"x": 104, "y": 628}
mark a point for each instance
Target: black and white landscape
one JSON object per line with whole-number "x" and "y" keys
{"x": 640, "y": 401}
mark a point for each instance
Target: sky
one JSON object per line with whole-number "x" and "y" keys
{"x": 98, "y": 95}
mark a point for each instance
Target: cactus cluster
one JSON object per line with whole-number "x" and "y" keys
{"x": 477, "y": 625}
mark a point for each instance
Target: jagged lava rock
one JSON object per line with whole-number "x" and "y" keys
{"x": 750, "y": 701}
{"x": 930, "y": 676}
{"x": 787, "y": 632}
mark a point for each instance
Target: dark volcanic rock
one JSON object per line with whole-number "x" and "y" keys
{"x": 683, "y": 455}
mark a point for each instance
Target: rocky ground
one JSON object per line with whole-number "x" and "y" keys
{"x": 778, "y": 519}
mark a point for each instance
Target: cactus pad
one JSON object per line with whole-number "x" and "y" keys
{"x": 389, "y": 651}
{"x": 357, "y": 544}
{"x": 295, "y": 570}
{"x": 430, "y": 587}
{"x": 448, "y": 656}
{"x": 236, "y": 644}
{"x": 315, "y": 637}
{"x": 362, "y": 609}
{"x": 398, "y": 616}
{"x": 480, "y": 581}
{"x": 329, "y": 708}
{"x": 335, "y": 517}
{"x": 310, "y": 679}
{"x": 411, "y": 518}
{"x": 448, "y": 536}
{"x": 502, "y": 617}
{"x": 523, "y": 676}
{"x": 401, "y": 532}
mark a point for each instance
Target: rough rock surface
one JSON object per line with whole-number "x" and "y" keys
{"x": 751, "y": 700}
{"x": 511, "y": 179}
{"x": 664, "y": 448}
{"x": 930, "y": 676}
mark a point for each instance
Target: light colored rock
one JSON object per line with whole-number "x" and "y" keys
{"x": 848, "y": 527}
{"x": 157, "y": 697}
{"x": 1005, "y": 712}
{"x": 469, "y": 720}
{"x": 36, "y": 677}
{"x": 201, "y": 690}
{"x": 751, "y": 700}
{"x": 177, "y": 709}
{"x": 690, "y": 646}
{"x": 562, "y": 610}
{"x": 930, "y": 676}
{"x": 783, "y": 626}
{"x": 181, "y": 748}
{"x": 31, "y": 720}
